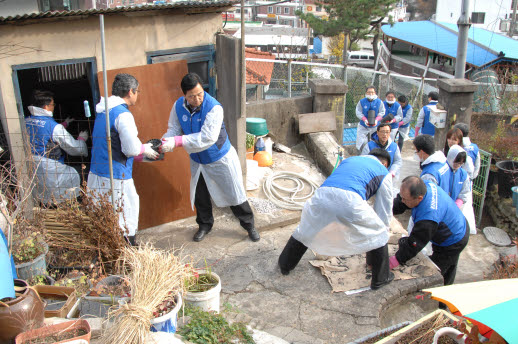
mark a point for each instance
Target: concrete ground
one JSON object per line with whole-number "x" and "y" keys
{"x": 300, "y": 307}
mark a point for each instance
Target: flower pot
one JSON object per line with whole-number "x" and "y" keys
{"x": 169, "y": 322}
{"x": 206, "y": 300}
{"x": 507, "y": 177}
{"x": 60, "y": 300}
{"x": 62, "y": 333}
{"x": 23, "y": 313}
{"x": 35, "y": 267}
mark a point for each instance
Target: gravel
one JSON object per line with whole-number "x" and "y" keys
{"x": 263, "y": 206}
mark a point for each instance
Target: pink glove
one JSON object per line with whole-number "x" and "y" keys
{"x": 401, "y": 123}
{"x": 178, "y": 141}
{"x": 459, "y": 202}
{"x": 417, "y": 131}
{"x": 393, "y": 262}
{"x": 365, "y": 120}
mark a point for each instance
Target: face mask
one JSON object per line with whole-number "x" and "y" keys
{"x": 390, "y": 102}
{"x": 371, "y": 97}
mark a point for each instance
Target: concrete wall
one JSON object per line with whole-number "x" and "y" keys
{"x": 128, "y": 37}
{"x": 281, "y": 116}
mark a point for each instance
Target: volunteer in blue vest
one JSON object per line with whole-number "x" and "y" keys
{"x": 196, "y": 124}
{"x": 423, "y": 125}
{"x": 126, "y": 147}
{"x": 437, "y": 219}
{"x": 404, "y": 125}
{"x": 338, "y": 220}
{"x": 393, "y": 113}
{"x": 381, "y": 139}
{"x": 471, "y": 148}
{"x": 433, "y": 163}
{"x": 50, "y": 142}
{"x": 370, "y": 102}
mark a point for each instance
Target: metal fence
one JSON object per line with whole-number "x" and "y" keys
{"x": 480, "y": 185}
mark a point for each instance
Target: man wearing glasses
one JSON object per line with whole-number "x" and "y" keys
{"x": 126, "y": 147}
{"x": 381, "y": 139}
{"x": 196, "y": 124}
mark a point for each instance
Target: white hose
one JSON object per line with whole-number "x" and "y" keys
{"x": 288, "y": 197}
{"x": 450, "y": 332}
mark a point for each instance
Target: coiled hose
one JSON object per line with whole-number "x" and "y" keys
{"x": 288, "y": 197}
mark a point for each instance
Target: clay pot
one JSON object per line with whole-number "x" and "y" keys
{"x": 24, "y": 313}
{"x": 56, "y": 329}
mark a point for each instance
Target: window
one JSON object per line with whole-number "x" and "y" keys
{"x": 286, "y": 10}
{"x": 270, "y": 9}
{"x": 355, "y": 57}
{"x": 319, "y": 8}
{"x": 279, "y": 10}
{"x": 365, "y": 57}
{"x": 238, "y": 11}
{"x": 478, "y": 17}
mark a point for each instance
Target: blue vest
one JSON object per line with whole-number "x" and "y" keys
{"x": 438, "y": 207}
{"x": 367, "y": 105}
{"x": 192, "y": 123}
{"x": 428, "y": 128}
{"x": 472, "y": 151}
{"x": 391, "y": 149}
{"x": 122, "y": 165}
{"x": 359, "y": 174}
{"x": 40, "y": 129}
{"x": 392, "y": 109}
{"x": 406, "y": 109}
{"x": 441, "y": 172}
{"x": 457, "y": 179}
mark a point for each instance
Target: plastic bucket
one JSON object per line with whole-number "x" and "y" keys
{"x": 207, "y": 300}
{"x": 38, "y": 266}
{"x": 514, "y": 189}
{"x": 169, "y": 322}
{"x": 507, "y": 177}
{"x": 256, "y": 126}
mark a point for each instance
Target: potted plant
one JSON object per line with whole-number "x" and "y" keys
{"x": 57, "y": 333}
{"x": 250, "y": 141}
{"x": 166, "y": 314}
{"x": 203, "y": 289}
{"x": 29, "y": 253}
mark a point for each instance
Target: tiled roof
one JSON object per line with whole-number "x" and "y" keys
{"x": 184, "y": 5}
{"x": 258, "y": 73}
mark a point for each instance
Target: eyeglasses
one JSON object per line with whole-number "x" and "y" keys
{"x": 384, "y": 132}
{"x": 198, "y": 95}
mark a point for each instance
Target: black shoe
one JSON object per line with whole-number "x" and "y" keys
{"x": 381, "y": 284}
{"x": 200, "y": 234}
{"x": 253, "y": 234}
{"x": 285, "y": 272}
{"x": 131, "y": 240}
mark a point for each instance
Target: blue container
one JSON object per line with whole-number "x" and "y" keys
{"x": 169, "y": 322}
{"x": 259, "y": 145}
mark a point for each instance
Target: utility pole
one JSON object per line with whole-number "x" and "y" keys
{"x": 462, "y": 44}
{"x": 513, "y": 19}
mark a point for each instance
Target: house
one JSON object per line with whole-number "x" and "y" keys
{"x": 258, "y": 73}
{"x": 61, "y": 52}
{"x": 492, "y": 15}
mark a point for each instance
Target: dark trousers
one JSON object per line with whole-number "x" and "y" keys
{"x": 400, "y": 141}
{"x": 203, "y": 205}
{"x": 447, "y": 258}
{"x": 378, "y": 258}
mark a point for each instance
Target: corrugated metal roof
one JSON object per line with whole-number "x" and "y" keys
{"x": 490, "y": 39}
{"x": 121, "y": 9}
{"x": 434, "y": 37}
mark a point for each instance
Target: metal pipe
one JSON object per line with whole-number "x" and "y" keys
{"x": 462, "y": 43}
{"x": 105, "y": 84}
{"x": 513, "y": 20}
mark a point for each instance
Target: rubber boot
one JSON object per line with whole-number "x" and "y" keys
{"x": 291, "y": 255}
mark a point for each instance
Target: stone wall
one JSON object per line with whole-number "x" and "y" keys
{"x": 502, "y": 212}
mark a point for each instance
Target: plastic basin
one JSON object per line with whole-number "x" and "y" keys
{"x": 256, "y": 126}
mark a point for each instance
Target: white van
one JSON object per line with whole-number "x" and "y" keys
{"x": 361, "y": 58}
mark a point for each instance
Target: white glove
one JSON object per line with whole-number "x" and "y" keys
{"x": 69, "y": 120}
{"x": 149, "y": 152}
{"x": 83, "y": 135}
{"x": 168, "y": 144}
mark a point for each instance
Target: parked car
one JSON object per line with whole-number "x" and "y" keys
{"x": 361, "y": 59}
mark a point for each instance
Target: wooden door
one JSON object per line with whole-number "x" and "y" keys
{"x": 163, "y": 186}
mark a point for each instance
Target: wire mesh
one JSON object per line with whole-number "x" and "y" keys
{"x": 480, "y": 185}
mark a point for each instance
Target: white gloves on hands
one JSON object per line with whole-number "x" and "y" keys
{"x": 83, "y": 135}
{"x": 168, "y": 144}
{"x": 69, "y": 120}
{"x": 149, "y": 152}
